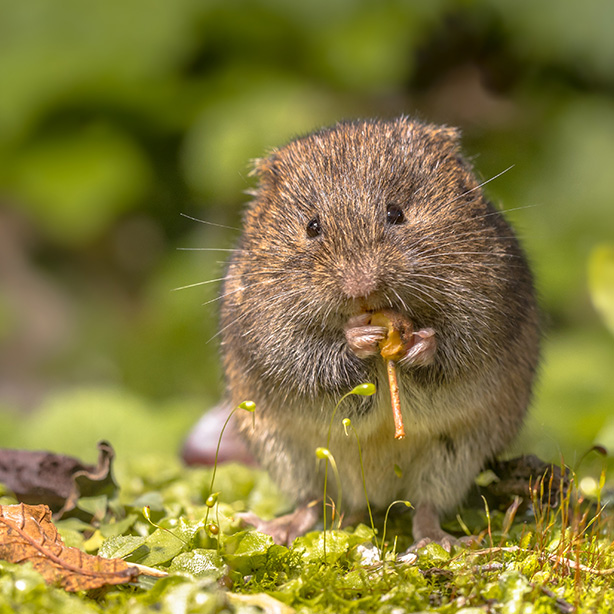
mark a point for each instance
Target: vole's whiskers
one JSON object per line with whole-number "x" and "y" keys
{"x": 239, "y": 289}
{"x": 326, "y": 315}
{"x": 479, "y": 186}
{"x": 419, "y": 292}
{"x": 199, "y": 283}
{"x": 401, "y": 301}
{"x": 460, "y": 240}
{"x": 492, "y": 265}
{"x": 245, "y": 313}
{"x": 233, "y": 250}
{"x": 218, "y": 279}
{"x": 450, "y": 234}
{"x": 240, "y": 317}
{"x": 195, "y": 219}
{"x": 488, "y": 272}
{"x": 454, "y": 285}
{"x": 477, "y": 233}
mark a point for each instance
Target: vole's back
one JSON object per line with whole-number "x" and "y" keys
{"x": 348, "y": 221}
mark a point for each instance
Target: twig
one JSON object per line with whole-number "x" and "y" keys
{"x": 148, "y": 571}
{"x": 551, "y": 557}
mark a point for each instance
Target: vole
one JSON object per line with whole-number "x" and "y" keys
{"x": 351, "y": 220}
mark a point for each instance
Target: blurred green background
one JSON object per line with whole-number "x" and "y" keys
{"x": 118, "y": 116}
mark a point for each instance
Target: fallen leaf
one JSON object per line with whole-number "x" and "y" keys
{"x": 56, "y": 480}
{"x": 27, "y": 534}
{"x": 522, "y": 475}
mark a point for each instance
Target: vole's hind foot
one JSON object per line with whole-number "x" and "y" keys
{"x": 285, "y": 529}
{"x": 426, "y": 529}
{"x": 445, "y": 540}
{"x": 362, "y": 338}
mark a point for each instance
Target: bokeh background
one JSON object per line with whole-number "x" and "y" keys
{"x": 119, "y": 116}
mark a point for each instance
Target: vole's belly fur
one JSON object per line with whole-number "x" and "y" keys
{"x": 450, "y": 432}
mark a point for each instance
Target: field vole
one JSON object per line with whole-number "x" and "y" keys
{"x": 362, "y": 217}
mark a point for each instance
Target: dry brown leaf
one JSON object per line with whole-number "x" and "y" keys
{"x": 28, "y": 534}
{"x": 524, "y": 475}
{"x": 55, "y": 479}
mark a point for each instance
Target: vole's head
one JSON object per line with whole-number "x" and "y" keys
{"x": 369, "y": 215}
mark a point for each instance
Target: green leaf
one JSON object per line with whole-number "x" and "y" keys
{"x": 601, "y": 282}
{"x": 96, "y": 506}
{"x": 199, "y": 563}
{"x": 180, "y": 594}
{"x": 98, "y": 169}
{"x": 118, "y": 527}
{"x": 514, "y": 587}
{"x": 434, "y": 553}
{"x": 246, "y": 551}
{"x": 120, "y": 546}
{"x": 165, "y": 544}
{"x": 314, "y": 544}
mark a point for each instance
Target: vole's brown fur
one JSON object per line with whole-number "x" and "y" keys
{"x": 451, "y": 265}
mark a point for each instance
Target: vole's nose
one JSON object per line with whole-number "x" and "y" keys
{"x": 359, "y": 279}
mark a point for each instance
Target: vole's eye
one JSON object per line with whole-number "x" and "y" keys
{"x": 394, "y": 214}
{"x": 314, "y": 228}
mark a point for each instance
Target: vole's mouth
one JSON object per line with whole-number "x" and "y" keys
{"x": 369, "y": 304}
{"x": 350, "y": 307}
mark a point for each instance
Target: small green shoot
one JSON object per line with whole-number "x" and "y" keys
{"x": 488, "y": 519}
{"x": 325, "y": 454}
{"x": 147, "y": 514}
{"x": 212, "y": 499}
{"x": 365, "y": 390}
{"x": 406, "y": 504}
{"x": 213, "y": 528}
{"x": 508, "y": 520}
{"x": 348, "y": 423}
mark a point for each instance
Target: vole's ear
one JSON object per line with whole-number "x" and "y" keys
{"x": 450, "y": 134}
{"x": 446, "y": 136}
{"x": 266, "y": 171}
{"x": 265, "y": 168}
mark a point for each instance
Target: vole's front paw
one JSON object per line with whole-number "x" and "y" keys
{"x": 363, "y": 338}
{"x": 422, "y": 349}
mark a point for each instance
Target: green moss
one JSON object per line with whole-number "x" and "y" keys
{"x": 529, "y": 569}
